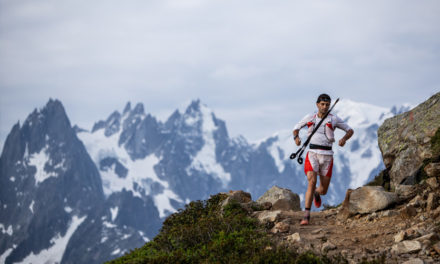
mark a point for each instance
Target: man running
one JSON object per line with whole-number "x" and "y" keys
{"x": 319, "y": 158}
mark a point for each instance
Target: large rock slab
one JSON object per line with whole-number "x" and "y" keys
{"x": 265, "y": 217}
{"x": 407, "y": 246}
{"x": 405, "y": 140}
{"x": 369, "y": 199}
{"x": 281, "y": 199}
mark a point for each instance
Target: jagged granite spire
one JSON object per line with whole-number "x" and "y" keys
{"x": 47, "y": 181}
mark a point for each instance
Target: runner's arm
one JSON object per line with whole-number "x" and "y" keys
{"x": 296, "y": 137}
{"x": 344, "y": 126}
{"x": 298, "y": 127}
{"x": 346, "y": 137}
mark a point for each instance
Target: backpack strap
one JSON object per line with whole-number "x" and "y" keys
{"x": 312, "y": 121}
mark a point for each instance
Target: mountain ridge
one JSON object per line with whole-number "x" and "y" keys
{"x": 145, "y": 165}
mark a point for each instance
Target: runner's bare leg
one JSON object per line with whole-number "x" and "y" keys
{"x": 324, "y": 183}
{"x": 312, "y": 178}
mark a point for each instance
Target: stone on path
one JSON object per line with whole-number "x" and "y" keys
{"x": 267, "y": 216}
{"x": 294, "y": 238}
{"x": 407, "y": 246}
{"x": 281, "y": 199}
{"x": 414, "y": 261}
{"x": 327, "y": 246}
{"x": 368, "y": 199}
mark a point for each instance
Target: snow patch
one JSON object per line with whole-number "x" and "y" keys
{"x": 114, "y": 212}
{"x": 146, "y": 239}
{"x": 361, "y": 114}
{"x": 12, "y": 179}
{"x": 9, "y": 231}
{"x": 163, "y": 202}
{"x": 281, "y": 148}
{"x": 39, "y": 160}
{"x": 26, "y": 152}
{"x": 55, "y": 252}
{"x": 139, "y": 171}
{"x": 205, "y": 159}
{"x": 68, "y": 209}
{"x": 108, "y": 224}
{"x": 31, "y": 206}
{"x": 6, "y": 254}
{"x": 116, "y": 251}
{"x": 61, "y": 165}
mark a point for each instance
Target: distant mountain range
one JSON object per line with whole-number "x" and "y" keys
{"x": 71, "y": 195}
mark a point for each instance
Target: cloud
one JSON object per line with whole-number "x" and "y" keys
{"x": 231, "y": 54}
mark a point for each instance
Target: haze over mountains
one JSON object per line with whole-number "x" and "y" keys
{"x": 72, "y": 195}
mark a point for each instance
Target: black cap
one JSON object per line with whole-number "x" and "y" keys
{"x": 323, "y": 97}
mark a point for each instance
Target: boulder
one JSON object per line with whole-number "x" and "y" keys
{"x": 369, "y": 199}
{"x": 240, "y": 196}
{"x": 237, "y": 196}
{"x": 436, "y": 247}
{"x": 294, "y": 237}
{"x": 281, "y": 227}
{"x": 400, "y": 237}
{"x": 432, "y": 182}
{"x": 405, "y": 140}
{"x": 407, "y": 246}
{"x": 281, "y": 199}
{"x": 431, "y": 237}
{"x": 327, "y": 246}
{"x": 414, "y": 261}
{"x": 265, "y": 205}
{"x": 389, "y": 213}
{"x": 408, "y": 212}
{"x": 405, "y": 191}
{"x": 432, "y": 169}
{"x": 432, "y": 202}
{"x": 344, "y": 212}
{"x": 265, "y": 217}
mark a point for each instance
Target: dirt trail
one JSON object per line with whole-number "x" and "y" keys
{"x": 358, "y": 238}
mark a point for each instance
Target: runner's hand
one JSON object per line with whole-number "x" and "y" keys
{"x": 298, "y": 141}
{"x": 342, "y": 142}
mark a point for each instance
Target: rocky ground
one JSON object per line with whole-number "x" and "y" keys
{"x": 385, "y": 235}
{"x": 406, "y": 231}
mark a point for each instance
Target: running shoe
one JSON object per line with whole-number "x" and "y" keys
{"x": 317, "y": 200}
{"x": 305, "y": 221}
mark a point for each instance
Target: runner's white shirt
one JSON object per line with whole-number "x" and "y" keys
{"x": 324, "y": 136}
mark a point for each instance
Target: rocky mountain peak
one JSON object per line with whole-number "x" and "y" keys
{"x": 406, "y": 141}
{"x": 127, "y": 108}
{"x": 138, "y": 109}
{"x": 47, "y": 183}
{"x": 193, "y": 107}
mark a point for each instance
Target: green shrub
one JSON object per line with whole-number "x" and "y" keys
{"x": 203, "y": 233}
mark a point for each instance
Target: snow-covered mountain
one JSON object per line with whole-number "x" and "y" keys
{"x": 76, "y": 196}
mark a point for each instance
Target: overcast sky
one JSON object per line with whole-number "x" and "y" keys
{"x": 258, "y": 64}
